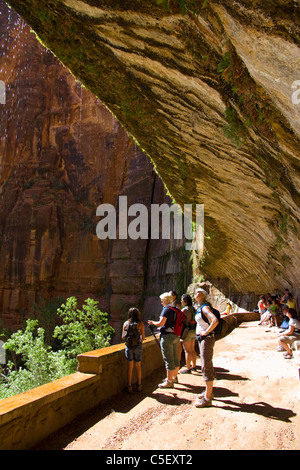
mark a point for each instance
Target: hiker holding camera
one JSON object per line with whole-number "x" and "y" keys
{"x": 133, "y": 333}
{"x": 168, "y": 340}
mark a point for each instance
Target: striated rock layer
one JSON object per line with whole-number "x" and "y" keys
{"x": 62, "y": 154}
{"x": 211, "y": 98}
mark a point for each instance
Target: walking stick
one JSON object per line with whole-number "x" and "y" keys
{"x": 152, "y": 331}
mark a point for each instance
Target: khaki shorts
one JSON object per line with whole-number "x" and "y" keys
{"x": 289, "y": 339}
{"x": 190, "y": 336}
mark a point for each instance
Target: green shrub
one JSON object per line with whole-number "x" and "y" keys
{"x": 37, "y": 364}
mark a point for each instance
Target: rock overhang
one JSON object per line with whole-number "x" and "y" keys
{"x": 209, "y": 99}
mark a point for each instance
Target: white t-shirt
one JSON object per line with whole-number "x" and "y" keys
{"x": 201, "y": 325}
{"x": 295, "y": 322}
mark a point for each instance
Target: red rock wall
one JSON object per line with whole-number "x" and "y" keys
{"x": 62, "y": 154}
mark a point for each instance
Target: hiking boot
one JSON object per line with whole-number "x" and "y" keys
{"x": 166, "y": 384}
{"x": 129, "y": 388}
{"x": 202, "y": 403}
{"x": 185, "y": 371}
{"x": 201, "y": 395}
{"x": 175, "y": 381}
{"x": 139, "y": 387}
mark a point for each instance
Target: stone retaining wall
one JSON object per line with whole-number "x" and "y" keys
{"x": 28, "y": 418}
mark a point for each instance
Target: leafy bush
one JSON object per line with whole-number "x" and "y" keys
{"x": 80, "y": 331}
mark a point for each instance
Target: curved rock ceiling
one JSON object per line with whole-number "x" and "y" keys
{"x": 213, "y": 100}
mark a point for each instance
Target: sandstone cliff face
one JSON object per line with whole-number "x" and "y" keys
{"x": 209, "y": 98}
{"x": 62, "y": 154}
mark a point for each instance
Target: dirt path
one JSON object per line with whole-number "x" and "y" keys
{"x": 256, "y": 406}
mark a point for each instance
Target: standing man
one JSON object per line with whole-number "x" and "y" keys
{"x": 206, "y": 323}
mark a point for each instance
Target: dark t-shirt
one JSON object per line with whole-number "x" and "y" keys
{"x": 169, "y": 314}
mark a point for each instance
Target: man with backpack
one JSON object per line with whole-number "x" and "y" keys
{"x": 207, "y": 321}
{"x": 169, "y": 339}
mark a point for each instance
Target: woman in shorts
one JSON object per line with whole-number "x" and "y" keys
{"x": 188, "y": 342}
{"x": 133, "y": 354}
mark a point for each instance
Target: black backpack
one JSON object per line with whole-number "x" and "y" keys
{"x": 218, "y": 329}
{"x": 132, "y": 335}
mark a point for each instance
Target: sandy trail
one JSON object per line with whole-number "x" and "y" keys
{"x": 256, "y": 405}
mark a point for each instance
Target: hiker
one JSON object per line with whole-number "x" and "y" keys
{"x": 287, "y": 338}
{"x": 188, "y": 341}
{"x": 177, "y": 304}
{"x": 274, "y": 311}
{"x": 284, "y": 297}
{"x": 263, "y": 310}
{"x": 206, "y": 339}
{"x": 285, "y": 323}
{"x": 291, "y": 301}
{"x": 134, "y": 333}
{"x": 168, "y": 340}
{"x": 228, "y": 308}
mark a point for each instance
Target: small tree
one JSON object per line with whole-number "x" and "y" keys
{"x": 82, "y": 330}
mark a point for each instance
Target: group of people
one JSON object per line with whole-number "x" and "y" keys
{"x": 200, "y": 325}
{"x": 280, "y": 311}
{"x": 200, "y": 322}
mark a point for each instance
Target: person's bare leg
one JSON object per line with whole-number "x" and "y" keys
{"x": 209, "y": 389}
{"x": 129, "y": 372}
{"x": 285, "y": 346}
{"x": 194, "y": 358}
{"x": 171, "y": 375}
{"x": 138, "y": 369}
{"x": 176, "y": 370}
{"x": 187, "y": 355}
